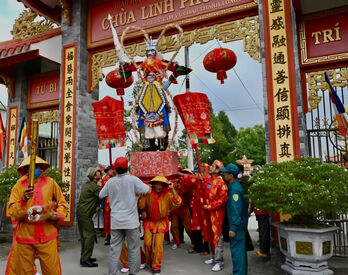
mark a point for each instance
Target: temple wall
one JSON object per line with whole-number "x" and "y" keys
{"x": 86, "y": 140}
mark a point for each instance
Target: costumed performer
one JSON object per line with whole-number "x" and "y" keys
{"x": 37, "y": 237}
{"x": 154, "y": 112}
{"x": 109, "y": 173}
{"x": 124, "y": 258}
{"x": 214, "y": 208}
{"x": 156, "y": 208}
{"x": 11, "y": 260}
{"x": 189, "y": 182}
{"x": 181, "y": 214}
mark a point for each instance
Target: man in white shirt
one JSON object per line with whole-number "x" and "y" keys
{"x": 123, "y": 191}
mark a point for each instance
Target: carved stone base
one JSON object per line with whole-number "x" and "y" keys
{"x": 290, "y": 269}
{"x": 306, "y": 249}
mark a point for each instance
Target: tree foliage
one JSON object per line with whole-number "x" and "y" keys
{"x": 10, "y": 176}
{"x": 230, "y": 144}
{"x": 227, "y": 127}
{"x": 251, "y": 143}
{"x": 306, "y": 189}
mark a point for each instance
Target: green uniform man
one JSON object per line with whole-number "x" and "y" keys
{"x": 86, "y": 207}
{"x": 237, "y": 212}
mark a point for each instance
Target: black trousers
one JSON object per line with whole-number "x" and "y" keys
{"x": 199, "y": 246}
{"x": 264, "y": 234}
{"x": 249, "y": 242}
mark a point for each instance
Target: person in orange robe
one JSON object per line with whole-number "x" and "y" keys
{"x": 37, "y": 237}
{"x": 156, "y": 208}
{"x": 110, "y": 172}
{"x": 189, "y": 183}
{"x": 181, "y": 214}
{"x": 215, "y": 199}
{"x": 124, "y": 258}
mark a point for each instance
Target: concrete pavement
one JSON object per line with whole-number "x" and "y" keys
{"x": 175, "y": 261}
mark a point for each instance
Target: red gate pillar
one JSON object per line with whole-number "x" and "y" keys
{"x": 284, "y": 142}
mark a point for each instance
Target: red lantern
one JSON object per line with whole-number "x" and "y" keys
{"x": 115, "y": 80}
{"x": 219, "y": 61}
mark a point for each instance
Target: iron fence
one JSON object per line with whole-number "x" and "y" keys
{"x": 325, "y": 141}
{"x": 341, "y": 236}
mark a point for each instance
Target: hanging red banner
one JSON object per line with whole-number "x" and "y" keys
{"x": 108, "y": 114}
{"x": 194, "y": 112}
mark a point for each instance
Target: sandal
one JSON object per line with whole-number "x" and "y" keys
{"x": 260, "y": 254}
{"x": 191, "y": 251}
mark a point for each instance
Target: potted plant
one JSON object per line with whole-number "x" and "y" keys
{"x": 306, "y": 190}
{"x": 9, "y": 177}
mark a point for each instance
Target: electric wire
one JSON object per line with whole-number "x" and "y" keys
{"x": 246, "y": 89}
{"x": 208, "y": 48}
{"x": 223, "y": 102}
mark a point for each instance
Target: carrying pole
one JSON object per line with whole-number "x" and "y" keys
{"x": 33, "y": 148}
{"x": 110, "y": 155}
{"x": 189, "y": 146}
{"x": 197, "y": 158}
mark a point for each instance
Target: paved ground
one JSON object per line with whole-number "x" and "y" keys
{"x": 175, "y": 261}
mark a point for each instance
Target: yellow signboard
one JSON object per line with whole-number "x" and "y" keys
{"x": 12, "y": 135}
{"x": 67, "y": 144}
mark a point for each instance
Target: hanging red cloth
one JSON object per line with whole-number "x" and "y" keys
{"x": 108, "y": 114}
{"x": 194, "y": 111}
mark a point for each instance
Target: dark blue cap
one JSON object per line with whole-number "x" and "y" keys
{"x": 231, "y": 169}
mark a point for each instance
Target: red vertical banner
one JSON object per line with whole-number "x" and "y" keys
{"x": 2, "y": 138}
{"x": 67, "y": 126}
{"x": 281, "y": 81}
{"x": 12, "y": 125}
{"x": 194, "y": 111}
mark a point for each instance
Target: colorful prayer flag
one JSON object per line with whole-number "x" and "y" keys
{"x": 340, "y": 110}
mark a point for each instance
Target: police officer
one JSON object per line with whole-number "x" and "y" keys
{"x": 86, "y": 207}
{"x": 237, "y": 211}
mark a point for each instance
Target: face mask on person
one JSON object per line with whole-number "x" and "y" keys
{"x": 37, "y": 173}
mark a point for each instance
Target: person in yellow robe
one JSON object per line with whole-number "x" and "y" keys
{"x": 37, "y": 234}
{"x": 11, "y": 259}
{"x": 156, "y": 208}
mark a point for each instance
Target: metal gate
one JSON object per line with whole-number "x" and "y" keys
{"x": 324, "y": 139}
{"x": 341, "y": 237}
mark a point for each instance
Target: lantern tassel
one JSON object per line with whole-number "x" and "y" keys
{"x": 120, "y": 91}
{"x": 221, "y": 75}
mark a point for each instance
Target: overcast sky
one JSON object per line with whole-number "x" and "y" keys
{"x": 9, "y": 11}
{"x": 242, "y": 103}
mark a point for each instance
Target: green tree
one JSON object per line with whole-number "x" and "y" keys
{"x": 181, "y": 145}
{"x": 223, "y": 133}
{"x": 9, "y": 176}
{"x": 227, "y": 127}
{"x": 251, "y": 143}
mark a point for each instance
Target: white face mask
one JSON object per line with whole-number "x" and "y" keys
{"x": 239, "y": 176}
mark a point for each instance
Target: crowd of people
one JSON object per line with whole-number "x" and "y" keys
{"x": 210, "y": 205}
